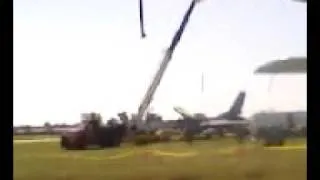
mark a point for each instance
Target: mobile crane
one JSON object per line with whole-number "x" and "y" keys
{"x": 146, "y": 101}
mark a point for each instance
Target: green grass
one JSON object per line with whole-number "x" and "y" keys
{"x": 28, "y": 137}
{"x": 46, "y": 161}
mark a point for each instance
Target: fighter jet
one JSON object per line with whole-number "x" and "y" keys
{"x": 230, "y": 121}
{"x": 230, "y": 118}
{"x": 232, "y": 114}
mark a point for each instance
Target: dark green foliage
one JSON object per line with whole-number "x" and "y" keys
{"x": 202, "y": 137}
{"x": 188, "y": 136}
{"x": 164, "y": 139}
{"x": 145, "y": 139}
{"x": 148, "y": 138}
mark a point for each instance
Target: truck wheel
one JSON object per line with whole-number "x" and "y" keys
{"x": 281, "y": 143}
{"x": 64, "y": 143}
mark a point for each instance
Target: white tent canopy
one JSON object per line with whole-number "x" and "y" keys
{"x": 290, "y": 65}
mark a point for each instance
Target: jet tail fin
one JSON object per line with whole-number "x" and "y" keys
{"x": 238, "y": 103}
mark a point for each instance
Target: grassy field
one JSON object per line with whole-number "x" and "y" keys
{"x": 217, "y": 159}
{"x": 29, "y": 137}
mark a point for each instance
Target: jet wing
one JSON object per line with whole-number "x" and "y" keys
{"x": 213, "y": 123}
{"x": 290, "y": 65}
{"x": 183, "y": 112}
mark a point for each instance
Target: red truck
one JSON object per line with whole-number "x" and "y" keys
{"x": 93, "y": 133}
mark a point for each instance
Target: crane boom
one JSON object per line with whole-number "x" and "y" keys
{"x": 164, "y": 64}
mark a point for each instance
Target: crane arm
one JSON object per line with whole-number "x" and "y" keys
{"x": 164, "y": 64}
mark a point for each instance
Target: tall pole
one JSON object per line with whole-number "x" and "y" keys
{"x": 202, "y": 82}
{"x": 270, "y": 84}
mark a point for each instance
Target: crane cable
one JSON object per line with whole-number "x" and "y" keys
{"x": 142, "y": 31}
{"x": 141, "y": 18}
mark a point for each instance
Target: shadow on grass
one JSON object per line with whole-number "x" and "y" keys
{"x": 185, "y": 177}
{"x": 255, "y": 174}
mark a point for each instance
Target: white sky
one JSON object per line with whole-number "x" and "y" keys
{"x": 74, "y": 56}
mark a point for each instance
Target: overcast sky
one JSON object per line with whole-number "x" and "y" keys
{"x": 74, "y": 56}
